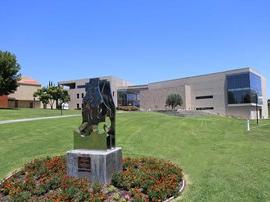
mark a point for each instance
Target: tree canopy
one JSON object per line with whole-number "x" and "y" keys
{"x": 9, "y": 73}
{"x": 43, "y": 96}
{"x": 174, "y": 100}
{"x": 52, "y": 94}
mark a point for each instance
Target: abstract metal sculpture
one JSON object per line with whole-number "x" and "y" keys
{"x": 97, "y": 130}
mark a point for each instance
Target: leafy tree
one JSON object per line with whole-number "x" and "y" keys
{"x": 52, "y": 94}
{"x": 174, "y": 100}
{"x": 9, "y": 73}
{"x": 43, "y": 96}
{"x": 64, "y": 97}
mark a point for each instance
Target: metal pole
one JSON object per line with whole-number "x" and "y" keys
{"x": 248, "y": 125}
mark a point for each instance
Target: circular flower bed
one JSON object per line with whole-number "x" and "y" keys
{"x": 142, "y": 179}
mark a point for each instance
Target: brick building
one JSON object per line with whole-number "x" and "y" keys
{"x": 23, "y": 96}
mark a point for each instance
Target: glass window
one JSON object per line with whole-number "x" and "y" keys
{"x": 128, "y": 97}
{"x": 256, "y": 83}
{"x": 238, "y": 81}
{"x": 205, "y": 108}
{"x": 131, "y": 97}
{"x": 204, "y": 97}
{"x": 244, "y": 88}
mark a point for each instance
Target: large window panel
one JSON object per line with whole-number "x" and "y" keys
{"x": 256, "y": 83}
{"x": 128, "y": 98}
{"x": 238, "y": 81}
{"x": 244, "y": 88}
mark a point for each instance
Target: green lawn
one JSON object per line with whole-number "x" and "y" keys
{"x": 221, "y": 161}
{"x": 10, "y": 114}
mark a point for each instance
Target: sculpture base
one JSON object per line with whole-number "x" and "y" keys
{"x": 94, "y": 141}
{"x": 97, "y": 166}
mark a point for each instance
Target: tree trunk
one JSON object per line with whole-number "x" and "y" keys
{"x": 57, "y": 105}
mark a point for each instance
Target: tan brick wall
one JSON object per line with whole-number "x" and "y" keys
{"x": 213, "y": 84}
{"x": 265, "y": 109}
{"x": 155, "y": 99}
{"x": 24, "y": 104}
{"x": 24, "y": 92}
{"x": 188, "y": 88}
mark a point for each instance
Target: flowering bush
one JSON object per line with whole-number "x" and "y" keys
{"x": 142, "y": 179}
{"x": 149, "y": 178}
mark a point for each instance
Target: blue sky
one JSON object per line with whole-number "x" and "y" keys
{"x": 139, "y": 40}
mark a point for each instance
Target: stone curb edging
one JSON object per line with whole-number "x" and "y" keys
{"x": 10, "y": 175}
{"x": 179, "y": 192}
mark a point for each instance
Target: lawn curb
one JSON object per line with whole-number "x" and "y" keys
{"x": 10, "y": 175}
{"x": 179, "y": 192}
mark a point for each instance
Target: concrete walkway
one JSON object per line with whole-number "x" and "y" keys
{"x": 36, "y": 119}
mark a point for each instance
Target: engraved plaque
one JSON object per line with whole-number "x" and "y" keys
{"x": 84, "y": 164}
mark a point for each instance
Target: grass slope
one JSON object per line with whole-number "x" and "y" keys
{"x": 221, "y": 161}
{"x": 10, "y": 114}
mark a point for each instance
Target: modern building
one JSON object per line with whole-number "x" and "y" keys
{"x": 23, "y": 96}
{"x": 76, "y": 89}
{"x": 240, "y": 93}
{"x": 234, "y": 93}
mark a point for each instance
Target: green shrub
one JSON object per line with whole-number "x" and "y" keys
{"x": 128, "y": 108}
{"x": 22, "y": 196}
{"x": 96, "y": 187}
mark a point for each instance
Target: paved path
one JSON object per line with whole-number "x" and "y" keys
{"x": 36, "y": 119}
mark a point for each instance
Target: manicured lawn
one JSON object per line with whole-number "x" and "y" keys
{"x": 10, "y": 114}
{"x": 221, "y": 161}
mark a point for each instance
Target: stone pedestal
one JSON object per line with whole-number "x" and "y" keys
{"x": 97, "y": 166}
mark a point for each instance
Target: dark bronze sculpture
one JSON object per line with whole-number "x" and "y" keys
{"x": 97, "y": 130}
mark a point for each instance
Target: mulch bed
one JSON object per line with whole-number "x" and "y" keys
{"x": 142, "y": 179}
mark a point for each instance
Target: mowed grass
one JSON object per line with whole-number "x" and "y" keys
{"x": 221, "y": 161}
{"x": 10, "y": 114}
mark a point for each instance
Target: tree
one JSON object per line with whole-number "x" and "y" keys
{"x": 58, "y": 94}
{"x": 64, "y": 96}
{"x": 43, "y": 96}
{"x": 52, "y": 94}
{"x": 9, "y": 73}
{"x": 174, "y": 100}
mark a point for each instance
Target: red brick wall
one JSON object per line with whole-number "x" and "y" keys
{"x": 4, "y": 101}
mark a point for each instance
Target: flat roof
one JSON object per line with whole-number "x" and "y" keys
{"x": 134, "y": 87}
{"x": 232, "y": 71}
{"x": 239, "y": 70}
